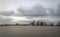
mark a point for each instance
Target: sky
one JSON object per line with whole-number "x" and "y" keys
{"x": 24, "y": 11}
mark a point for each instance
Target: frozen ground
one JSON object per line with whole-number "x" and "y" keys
{"x": 29, "y": 31}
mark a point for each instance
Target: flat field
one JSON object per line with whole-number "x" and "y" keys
{"x": 29, "y": 31}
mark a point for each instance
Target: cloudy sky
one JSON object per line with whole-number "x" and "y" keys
{"x": 24, "y": 11}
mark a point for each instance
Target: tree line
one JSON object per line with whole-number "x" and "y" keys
{"x": 34, "y": 23}
{"x": 41, "y": 23}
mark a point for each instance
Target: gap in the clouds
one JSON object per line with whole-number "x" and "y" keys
{"x": 30, "y": 18}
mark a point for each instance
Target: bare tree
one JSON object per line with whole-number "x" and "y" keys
{"x": 37, "y": 23}
{"x": 51, "y": 23}
{"x": 33, "y": 23}
{"x": 45, "y": 23}
{"x": 17, "y": 24}
{"x": 41, "y": 23}
{"x": 58, "y": 24}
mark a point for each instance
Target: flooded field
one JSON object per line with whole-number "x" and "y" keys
{"x": 29, "y": 31}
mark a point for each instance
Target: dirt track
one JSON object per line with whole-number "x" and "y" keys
{"x": 29, "y": 31}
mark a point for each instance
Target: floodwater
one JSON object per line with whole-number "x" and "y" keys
{"x": 29, "y": 31}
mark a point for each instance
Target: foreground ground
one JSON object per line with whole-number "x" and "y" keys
{"x": 29, "y": 31}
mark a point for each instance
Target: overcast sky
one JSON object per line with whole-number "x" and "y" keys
{"x": 12, "y": 11}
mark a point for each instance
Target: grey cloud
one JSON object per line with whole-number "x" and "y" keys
{"x": 36, "y": 10}
{"x": 6, "y": 13}
{"x": 53, "y": 12}
{"x": 58, "y": 10}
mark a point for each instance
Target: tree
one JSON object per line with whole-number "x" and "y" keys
{"x": 45, "y": 23}
{"x": 38, "y": 23}
{"x": 51, "y": 24}
{"x": 33, "y": 23}
{"x": 41, "y": 23}
{"x": 17, "y": 24}
{"x": 58, "y": 24}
